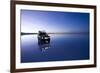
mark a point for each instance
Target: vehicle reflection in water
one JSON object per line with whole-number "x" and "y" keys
{"x": 43, "y": 45}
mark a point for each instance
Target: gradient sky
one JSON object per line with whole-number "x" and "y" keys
{"x": 51, "y": 21}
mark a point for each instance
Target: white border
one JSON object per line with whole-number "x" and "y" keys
{"x": 57, "y": 63}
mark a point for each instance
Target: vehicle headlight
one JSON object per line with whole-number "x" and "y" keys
{"x": 46, "y": 37}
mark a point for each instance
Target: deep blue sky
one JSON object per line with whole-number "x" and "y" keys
{"x": 51, "y": 21}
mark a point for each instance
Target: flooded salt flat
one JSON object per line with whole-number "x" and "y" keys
{"x": 61, "y": 47}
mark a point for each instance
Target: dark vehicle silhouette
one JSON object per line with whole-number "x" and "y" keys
{"x": 43, "y": 40}
{"x": 43, "y": 37}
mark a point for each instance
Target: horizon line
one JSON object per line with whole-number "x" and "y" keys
{"x": 23, "y": 33}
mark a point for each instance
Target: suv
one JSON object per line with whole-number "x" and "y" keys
{"x": 43, "y": 38}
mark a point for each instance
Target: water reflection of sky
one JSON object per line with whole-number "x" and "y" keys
{"x": 62, "y": 47}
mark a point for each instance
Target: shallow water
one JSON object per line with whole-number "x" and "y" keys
{"x": 61, "y": 47}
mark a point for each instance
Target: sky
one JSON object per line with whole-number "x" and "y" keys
{"x": 33, "y": 21}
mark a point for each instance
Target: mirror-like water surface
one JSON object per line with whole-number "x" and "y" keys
{"x": 61, "y": 47}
